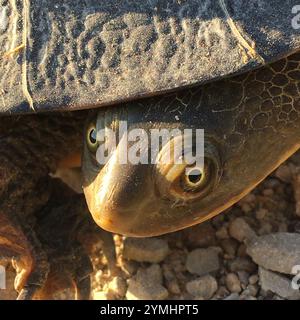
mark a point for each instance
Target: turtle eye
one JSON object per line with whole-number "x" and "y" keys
{"x": 195, "y": 182}
{"x": 188, "y": 180}
{"x": 91, "y": 138}
{"x": 195, "y": 179}
{"x": 192, "y": 178}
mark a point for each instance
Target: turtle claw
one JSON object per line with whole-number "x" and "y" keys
{"x": 83, "y": 289}
{"x": 29, "y": 281}
{"x": 28, "y": 293}
{"x": 109, "y": 251}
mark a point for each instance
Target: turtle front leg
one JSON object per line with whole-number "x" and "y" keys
{"x": 68, "y": 234}
{"x": 18, "y": 239}
{"x": 29, "y": 260}
{"x": 30, "y": 148}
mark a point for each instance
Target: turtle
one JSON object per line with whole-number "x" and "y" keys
{"x": 71, "y": 69}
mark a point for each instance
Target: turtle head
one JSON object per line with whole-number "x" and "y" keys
{"x": 136, "y": 181}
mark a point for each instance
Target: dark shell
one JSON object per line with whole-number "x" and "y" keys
{"x": 73, "y": 54}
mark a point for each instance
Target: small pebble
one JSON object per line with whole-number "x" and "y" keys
{"x": 204, "y": 287}
{"x": 240, "y": 230}
{"x": 222, "y": 233}
{"x": 145, "y": 249}
{"x": 147, "y": 285}
{"x": 233, "y": 296}
{"x": 203, "y": 261}
{"x": 252, "y": 289}
{"x": 233, "y": 283}
{"x": 261, "y": 213}
{"x": 253, "y": 279}
{"x": 242, "y": 264}
{"x": 173, "y": 287}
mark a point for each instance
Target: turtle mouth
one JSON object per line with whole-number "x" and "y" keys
{"x": 113, "y": 212}
{"x": 115, "y": 221}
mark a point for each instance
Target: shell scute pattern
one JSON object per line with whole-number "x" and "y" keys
{"x": 100, "y": 44}
{"x": 277, "y": 97}
{"x": 264, "y": 99}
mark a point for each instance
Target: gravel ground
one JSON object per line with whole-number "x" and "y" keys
{"x": 246, "y": 253}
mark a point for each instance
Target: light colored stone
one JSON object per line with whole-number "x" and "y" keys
{"x": 233, "y": 296}
{"x": 277, "y": 252}
{"x": 147, "y": 285}
{"x": 277, "y": 283}
{"x": 140, "y": 291}
{"x": 233, "y": 283}
{"x": 240, "y": 230}
{"x": 173, "y": 287}
{"x": 203, "y": 261}
{"x": 253, "y": 279}
{"x": 145, "y": 249}
{"x": 251, "y": 290}
{"x": 204, "y": 287}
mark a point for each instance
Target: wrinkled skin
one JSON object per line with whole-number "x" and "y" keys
{"x": 44, "y": 226}
{"x": 251, "y": 124}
